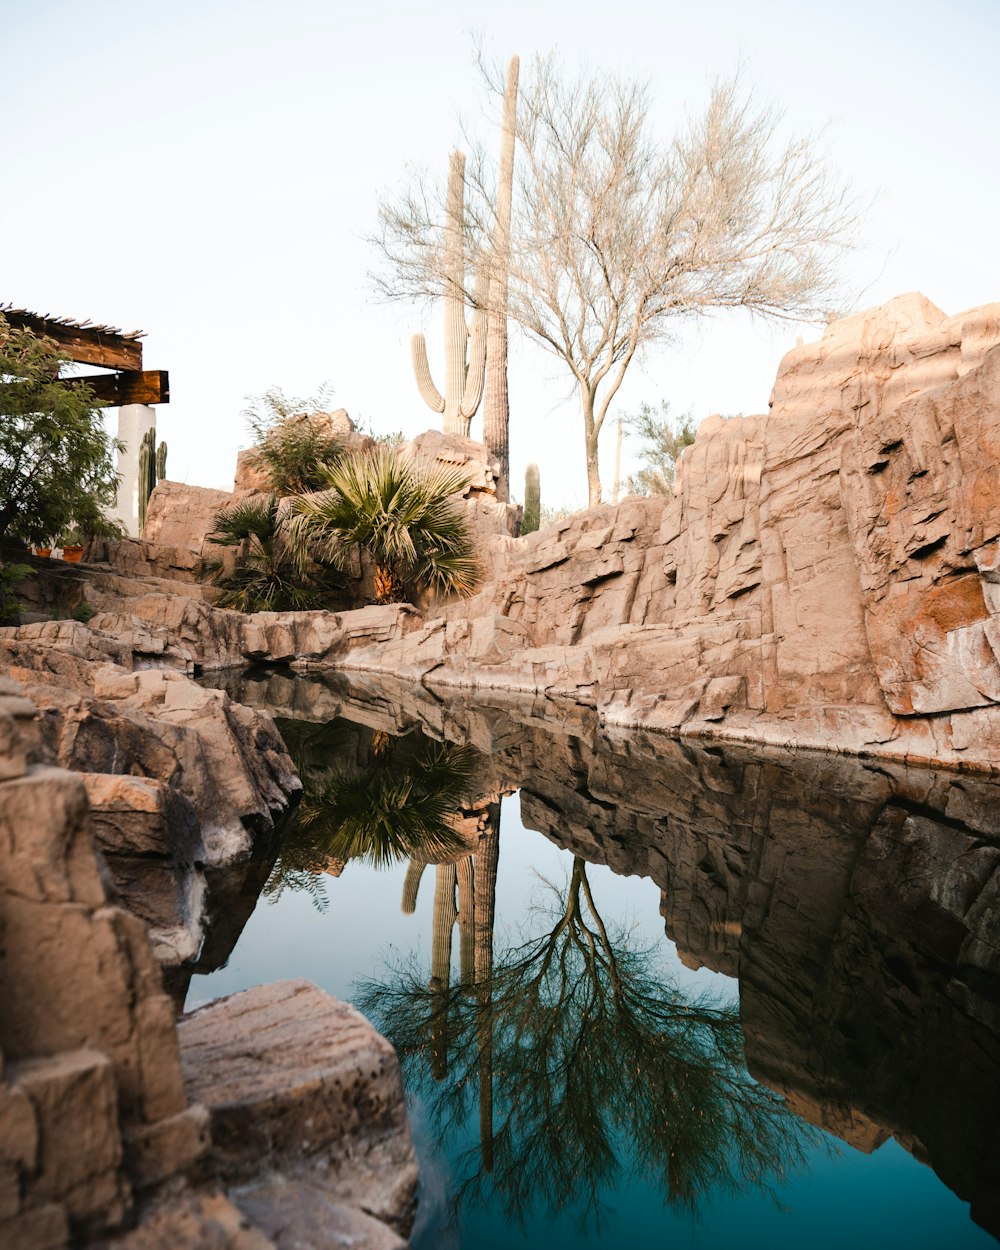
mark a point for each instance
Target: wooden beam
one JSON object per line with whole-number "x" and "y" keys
{"x": 85, "y": 345}
{"x": 112, "y": 390}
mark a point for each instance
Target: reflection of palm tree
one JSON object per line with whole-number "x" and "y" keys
{"x": 587, "y": 1045}
{"x": 391, "y": 809}
{"x": 399, "y": 803}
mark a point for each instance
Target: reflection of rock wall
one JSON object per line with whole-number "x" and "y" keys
{"x": 827, "y": 574}
{"x": 858, "y": 905}
{"x": 859, "y": 908}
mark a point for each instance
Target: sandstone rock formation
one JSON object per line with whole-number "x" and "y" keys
{"x": 291, "y": 1075}
{"x": 102, "y": 715}
{"x": 92, "y": 1095}
{"x": 825, "y": 575}
{"x": 99, "y": 1138}
{"x": 182, "y": 516}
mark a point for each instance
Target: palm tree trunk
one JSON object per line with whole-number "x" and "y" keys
{"x": 388, "y": 584}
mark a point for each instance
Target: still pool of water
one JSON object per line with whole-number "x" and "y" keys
{"x": 646, "y": 993}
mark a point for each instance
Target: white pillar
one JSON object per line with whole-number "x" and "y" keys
{"x": 133, "y": 422}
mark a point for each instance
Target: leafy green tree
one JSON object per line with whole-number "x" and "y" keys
{"x": 56, "y": 458}
{"x": 602, "y": 1072}
{"x": 400, "y": 515}
{"x": 267, "y": 576}
{"x": 665, "y": 437}
{"x": 293, "y": 448}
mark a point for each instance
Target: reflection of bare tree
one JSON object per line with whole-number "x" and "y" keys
{"x": 594, "y": 1065}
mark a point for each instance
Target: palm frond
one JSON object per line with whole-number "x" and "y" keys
{"x": 250, "y": 518}
{"x": 403, "y": 516}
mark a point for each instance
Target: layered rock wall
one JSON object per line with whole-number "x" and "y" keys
{"x": 112, "y": 1129}
{"x": 827, "y": 574}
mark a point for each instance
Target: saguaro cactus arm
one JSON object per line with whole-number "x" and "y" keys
{"x": 432, "y": 397}
{"x": 475, "y": 375}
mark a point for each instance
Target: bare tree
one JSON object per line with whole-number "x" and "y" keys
{"x": 614, "y": 237}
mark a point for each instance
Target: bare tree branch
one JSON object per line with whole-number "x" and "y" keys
{"x": 615, "y": 238}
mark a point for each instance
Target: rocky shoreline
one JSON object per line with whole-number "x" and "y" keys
{"x": 826, "y": 577}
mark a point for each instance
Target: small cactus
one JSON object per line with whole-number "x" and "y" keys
{"x": 161, "y": 462}
{"x": 147, "y": 473}
{"x": 532, "y": 500}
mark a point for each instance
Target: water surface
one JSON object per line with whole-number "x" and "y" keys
{"x": 643, "y": 991}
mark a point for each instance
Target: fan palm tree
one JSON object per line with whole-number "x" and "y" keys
{"x": 267, "y": 576}
{"x": 402, "y": 516}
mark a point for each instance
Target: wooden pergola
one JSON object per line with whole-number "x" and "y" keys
{"x": 105, "y": 347}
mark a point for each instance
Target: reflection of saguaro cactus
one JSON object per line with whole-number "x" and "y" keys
{"x": 445, "y": 915}
{"x": 152, "y": 469}
{"x": 463, "y": 379}
{"x": 532, "y": 500}
{"x": 496, "y": 404}
{"x": 487, "y": 858}
{"x": 410, "y": 887}
{"x": 466, "y": 891}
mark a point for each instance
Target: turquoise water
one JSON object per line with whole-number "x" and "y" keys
{"x": 351, "y": 937}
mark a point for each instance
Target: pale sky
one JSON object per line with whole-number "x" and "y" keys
{"x": 208, "y": 170}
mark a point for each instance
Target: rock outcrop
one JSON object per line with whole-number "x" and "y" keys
{"x": 826, "y": 575}
{"x": 292, "y": 1076}
{"x": 92, "y": 1095}
{"x": 103, "y": 715}
{"x": 100, "y": 1139}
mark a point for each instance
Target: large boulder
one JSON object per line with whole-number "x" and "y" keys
{"x": 183, "y": 516}
{"x": 302, "y": 1082}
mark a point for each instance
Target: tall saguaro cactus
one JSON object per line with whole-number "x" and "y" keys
{"x": 464, "y": 370}
{"x": 496, "y": 405}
